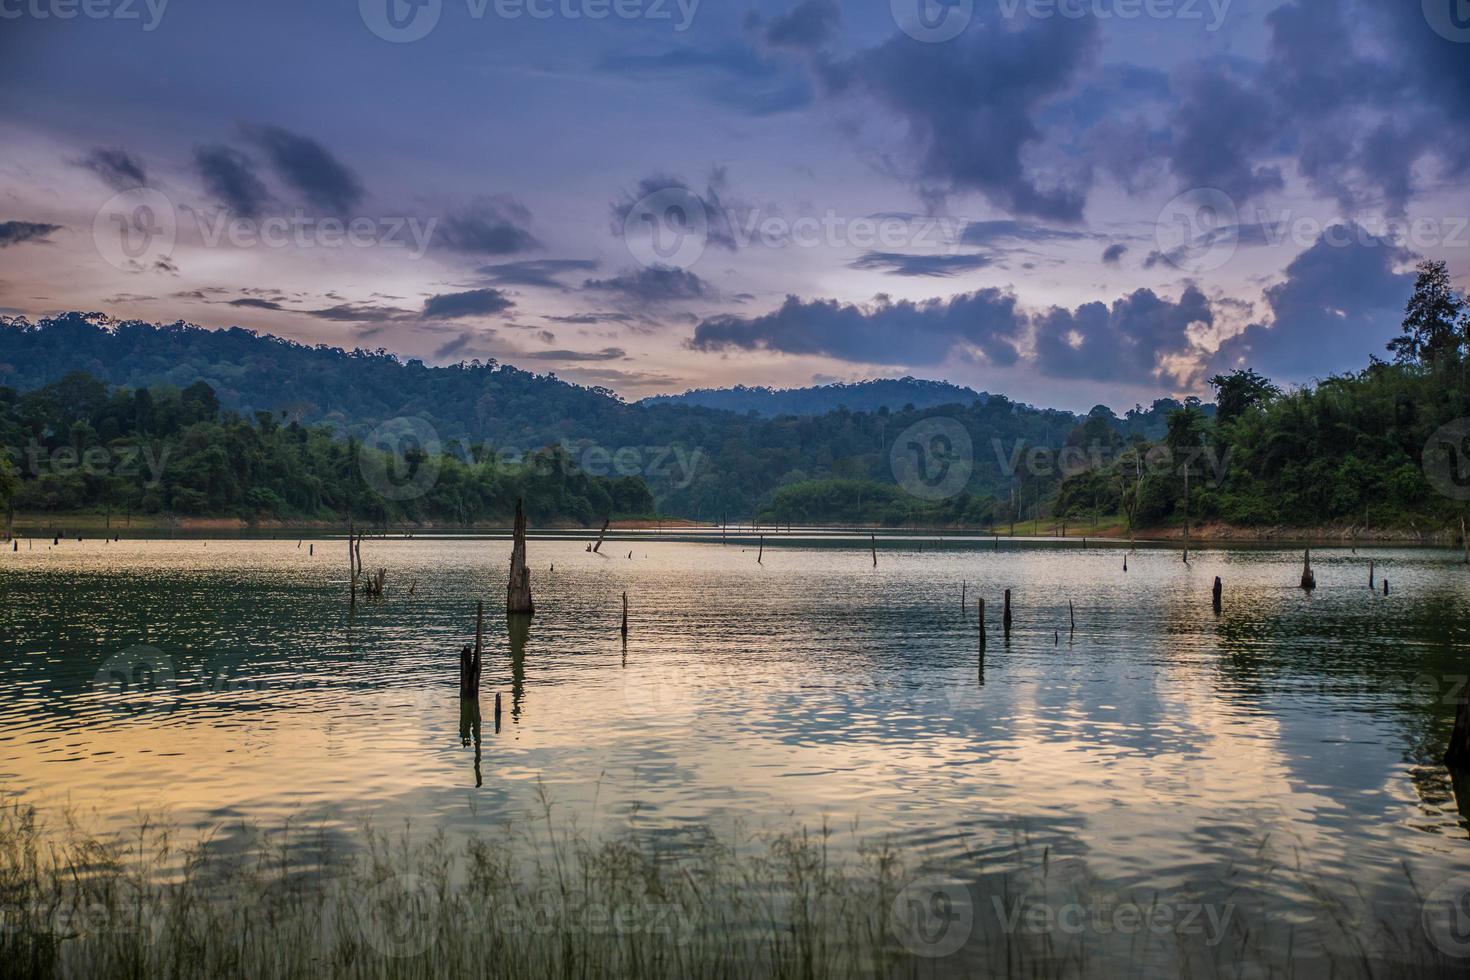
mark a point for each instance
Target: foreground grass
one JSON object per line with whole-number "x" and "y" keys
{"x": 546, "y": 902}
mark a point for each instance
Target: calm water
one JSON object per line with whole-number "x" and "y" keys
{"x": 1158, "y": 744}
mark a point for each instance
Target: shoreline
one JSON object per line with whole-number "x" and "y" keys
{"x": 45, "y": 525}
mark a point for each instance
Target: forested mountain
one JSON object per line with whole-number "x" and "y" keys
{"x": 78, "y": 445}
{"x": 861, "y": 396}
{"x": 698, "y": 462}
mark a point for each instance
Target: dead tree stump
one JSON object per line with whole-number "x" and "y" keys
{"x": 518, "y": 590}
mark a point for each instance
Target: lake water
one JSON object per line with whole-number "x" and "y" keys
{"x": 1158, "y": 745}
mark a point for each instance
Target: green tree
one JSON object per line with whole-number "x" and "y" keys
{"x": 1432, "y": 321}
{"x": 1238, "y": 392}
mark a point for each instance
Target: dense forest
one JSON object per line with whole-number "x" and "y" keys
{"x": 1387, "y": 447}
{"x": 698, "y": 462}
{"x": 284, "y": 437}
{"x": 79, "y": 445}
{"x": 859, "y": 396}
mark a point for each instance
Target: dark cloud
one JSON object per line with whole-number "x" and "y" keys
{"x": 251, "y": 302}
{"x": 361, "y": 313}
{"x": 809, "y": 25}
{"x": 885, "y": 332}
{"x": 229, "y": 176}
{"x": 592, "y": 319}
{"x": 487, "y": 226}
{"x": 534, "y": 272}
{"x": 937, "y": 266}
{"x": 20, "y": 232}
{"x": 475, "y": 302}
{"x": 995, "y": 232}
{"x": 654, "y": 284}
{"x": 1220, "y": 126}
{"x": 1341, "y": 301}
{"x": 310, "y": 168}
{"x": 1122, "y": 343}
{"x": 971, "y": 105}
{"x": 718, "y": 233}
{"x": 115, "y": 167}
{"x": 456, "y": 346}
{"x": 606, "y": 354}
{"x": 1114, "y": 253}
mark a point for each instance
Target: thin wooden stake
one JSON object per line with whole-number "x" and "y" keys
{"x": 625, "y": 615}
{"x": 980, "y": 609}
{"x": 873, "y": 544}
{"x": 759, "y": 555}
{"x": 1006, "y": 618}
{"x": 1219, "y": 595}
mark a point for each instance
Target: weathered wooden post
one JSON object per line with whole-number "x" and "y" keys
{"x": 1309, "y": 578}
{"x": 1219, "y": 595}
{"x": 471, "y": 658}
{"x": 1457, "y": 756}
{"x": 964, "y": 609}
{"x": 625, "y": 616}
{"x": 1072, "y": 612}
{"x": 1371, "y": 584}
{"x": 601, "y": 534}
{"x": 1385, "y": 586}
{"x": 497, "y": 712}
{"x": 761, "y": 554}
{"x": 980, "y": 609}
{"x": 518, "y": 590}
{"x": 1125, "y": 564}
{"x": 873, "y": 544}
{"x": 1006, "y": 616}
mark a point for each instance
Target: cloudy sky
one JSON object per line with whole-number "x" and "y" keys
{"x": 1067, "y": 201}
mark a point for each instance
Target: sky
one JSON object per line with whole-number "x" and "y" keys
{"x": 1070, "y": 202}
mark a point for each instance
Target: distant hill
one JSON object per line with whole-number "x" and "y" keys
{"x": 698, "y": 461}
{"x": 861, "y": 396}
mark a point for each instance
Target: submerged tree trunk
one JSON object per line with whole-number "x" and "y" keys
{"x": 600, "y": 535}
{"x": 518, "y": 591}
{"x": 1457, "y": 756}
